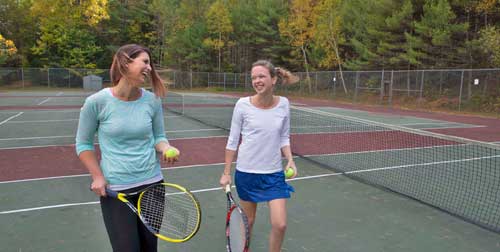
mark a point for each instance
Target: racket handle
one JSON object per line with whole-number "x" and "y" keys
{"x": 111, "y": 193}
{"x": 228, "y": 188}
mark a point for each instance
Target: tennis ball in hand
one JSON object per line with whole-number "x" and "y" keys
{"x": 172, "y": 152}
{"x": 289, "y": 172}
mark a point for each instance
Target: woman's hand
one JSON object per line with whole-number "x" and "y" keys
{"x": 291, "y": 164}
{"x": 225, "y": 179}
{"x": 98, "y": 186}
{"x": 170, "y": 154}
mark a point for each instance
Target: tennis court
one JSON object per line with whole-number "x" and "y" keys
{"x": 368, "y": 181}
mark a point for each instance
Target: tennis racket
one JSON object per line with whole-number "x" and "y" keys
{"x": 169, "y": 211}
{"x": 237, "y": 232}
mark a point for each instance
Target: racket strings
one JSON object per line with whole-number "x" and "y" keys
{"x": 170, "y": 212}
{"x": 237, "y": 231}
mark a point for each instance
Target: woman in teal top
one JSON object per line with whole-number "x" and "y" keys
{"x": 129, "y": 124}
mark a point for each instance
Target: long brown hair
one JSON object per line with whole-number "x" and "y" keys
{"x": 127, "y": 54}
{"x": 285, "y": 77}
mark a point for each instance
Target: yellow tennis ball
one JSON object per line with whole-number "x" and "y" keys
{"x": 289, "y": 172}
{"x": 172, "y": 152}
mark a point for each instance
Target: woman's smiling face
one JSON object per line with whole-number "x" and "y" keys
{"x": 262, "y": 81}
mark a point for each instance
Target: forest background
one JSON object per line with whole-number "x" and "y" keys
{"x": 228, "y": 35}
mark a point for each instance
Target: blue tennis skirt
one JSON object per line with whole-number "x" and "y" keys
{"x": 255, "y": 187}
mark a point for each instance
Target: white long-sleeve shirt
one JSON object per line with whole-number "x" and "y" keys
{"x": 263, "y": 133}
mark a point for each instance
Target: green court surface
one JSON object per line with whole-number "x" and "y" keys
{"x": 328, "y": 211}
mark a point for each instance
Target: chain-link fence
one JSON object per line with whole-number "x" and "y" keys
{"x": 458, "y": 89}
{"x": 463, "y": 89}
{"x": 48, "y": 77}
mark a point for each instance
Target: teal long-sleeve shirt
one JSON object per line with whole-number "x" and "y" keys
{"x": 127, "y": 133}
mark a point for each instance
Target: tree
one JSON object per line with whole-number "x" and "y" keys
{"x": 66, "y": 39}
{"x": 328, "y": 34}
{"x": 17, "y": 23}
{"x": 164, "y": 12}
{"x": 256, "y": 33}
{"x": 438, "y": 36}
{"x": 7, "y": 49}
{"x": 219, "y": 28}
{"x": 297, "y": 29}
{"x": 490, "y": 41}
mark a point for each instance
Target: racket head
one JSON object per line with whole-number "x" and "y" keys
{"x": 237, "y": 229}
{"x": 170, "y": 212}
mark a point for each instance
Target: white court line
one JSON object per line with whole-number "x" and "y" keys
{"x": 299, "y": 178}
{"x": 44, "y": 121}
{"x": 50, "y": 137}
{"x": 58, "y": 145}
{"x": 87, "y": 175}
{"x": 190, "y": 166}
{"x": 62, "y": 120}
{"x": 32, "y": 138}
{"x": 44, "y": 101}
{"x": 12, "y": 117}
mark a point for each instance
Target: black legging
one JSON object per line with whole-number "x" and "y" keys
{"x": 126, "y": 232}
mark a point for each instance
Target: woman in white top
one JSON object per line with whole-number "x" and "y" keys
{"x": 263, "y": 121}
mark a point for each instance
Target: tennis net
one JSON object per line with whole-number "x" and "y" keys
{"x": 457, "y": 175}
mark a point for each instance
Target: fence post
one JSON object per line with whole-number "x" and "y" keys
{"x": 355, "y": 98}
{"x": 22, "y": 76}
{"x": 174, "y": 79}
{"x": 460, "y": 94}
{"x": 315, "y": 83}
{"x": 191, "y": 79}
{"x": 334, "y": 80}
{"x": 69, "y": 79}
{"x": 422, "y": 85}
{"x": 382, "y": 93}
{"x": 246, "y": 81}
{"x": 390, "y": 87}
{"x": 408, "y": 84}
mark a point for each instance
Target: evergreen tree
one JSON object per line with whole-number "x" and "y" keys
{"x": 438, "y": 38}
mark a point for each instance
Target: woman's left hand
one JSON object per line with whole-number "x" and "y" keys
{"x": 291, "y": 164}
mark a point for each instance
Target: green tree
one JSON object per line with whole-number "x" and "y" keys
{"x": 185, "y": 49}
{"x": 17, "y": 23}
{"x": 438, "y": 37}
{"x": 490, "y": 41}
{"x": 164, "y": 12}
{"x": 377, "y": 31}
{"x": 66, "y": 39}
{"x": 256, "y": 33}
{"x": 219, "y": 28}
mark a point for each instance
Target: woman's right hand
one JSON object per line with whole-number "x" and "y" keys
{"x": 225, "y": 179}
{"x": 98, "y": 186}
